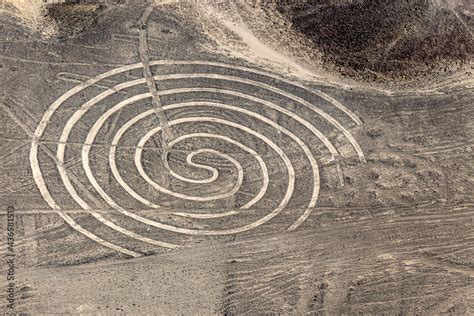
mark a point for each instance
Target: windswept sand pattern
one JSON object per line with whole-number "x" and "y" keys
{"x": 247, "y": 146}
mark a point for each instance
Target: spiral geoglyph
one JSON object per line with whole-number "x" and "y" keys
{"x": 224, "y": 117}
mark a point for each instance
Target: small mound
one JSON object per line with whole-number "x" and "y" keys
{"x": 385, "y": 38}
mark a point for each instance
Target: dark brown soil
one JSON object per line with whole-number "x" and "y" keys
{"x": 385, "y": 38}
{"x": 74, "y": 20}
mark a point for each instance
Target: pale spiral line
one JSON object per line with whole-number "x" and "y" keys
{"x": 37, "y": 174}
{"x": 323, "y": 95}
{"x": 77, "y": 115}
{"x": 94, "y": 130}
{"x": 276, "y": 211}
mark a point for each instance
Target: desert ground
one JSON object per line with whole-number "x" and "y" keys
{"x": 174, "y": 159}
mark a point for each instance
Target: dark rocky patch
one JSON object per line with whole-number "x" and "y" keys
{"x": 383, "y": 38}
{"x": 75, "y": 20}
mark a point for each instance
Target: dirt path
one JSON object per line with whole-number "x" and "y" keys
{"x": 151, "y": 83}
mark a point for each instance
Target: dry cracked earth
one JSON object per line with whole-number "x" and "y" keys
{"x": 147, "y": 174}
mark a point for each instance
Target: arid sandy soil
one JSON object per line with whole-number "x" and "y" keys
{"x": 279, "y": 186}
